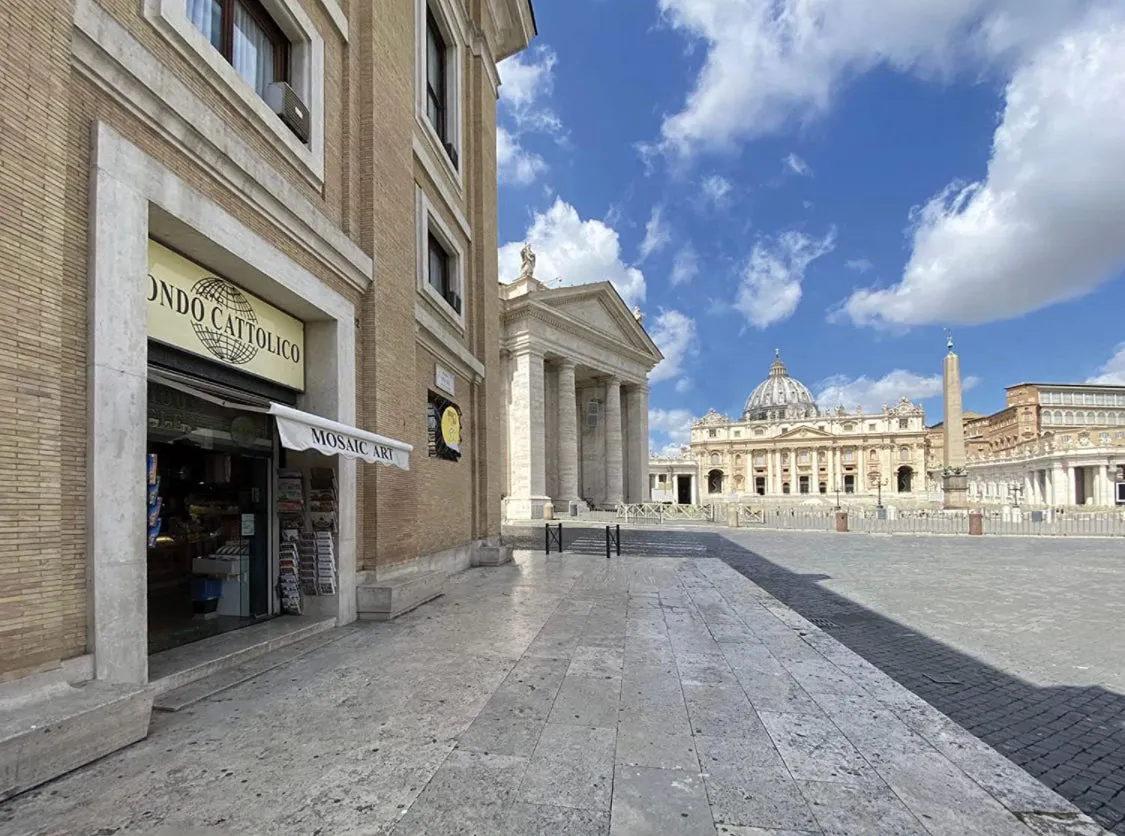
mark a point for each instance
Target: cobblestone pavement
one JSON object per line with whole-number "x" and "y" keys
{"x": 1020, "y": 640}
{"x": 567, "y": 695}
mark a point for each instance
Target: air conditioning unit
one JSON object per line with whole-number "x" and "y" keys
{"x": 451, "y": 150}
{"x": 454, "y": 300}
{"x": 285, "y": 102}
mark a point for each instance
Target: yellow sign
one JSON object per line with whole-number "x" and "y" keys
{"x": 194, "y": 310}
{"x": 451, "y": 428}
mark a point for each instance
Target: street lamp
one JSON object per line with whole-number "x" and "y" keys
{"x": 879, "y": 488}
{"x": 837, "y": 496}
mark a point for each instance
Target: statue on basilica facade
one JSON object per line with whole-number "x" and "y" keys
{"x": 527, "y": 259}
{"x": 637, "y": 315}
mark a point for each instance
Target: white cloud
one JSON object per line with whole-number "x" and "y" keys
{"x": 684, "y": 384}
{"x": 771, "y": 61}
{"x": 1045, "y": 225}
{"x": 685, "y": 266}
{"x": 1113, "y": 372}
{"x": 770, "y": 287}
{"x": 574, "y": 250}
{"x": 716, "y": 188}
{"x": 526, "y": 80}
{"x": 657, "y": 234}
{"x": 795, "y": 165}
{"x": 860, "y": 265}
{"x": 515, "y": 164}
{"x": 674, "y": 334}
{"x": 674, "y": 425}
{"x": 841, "y": 390}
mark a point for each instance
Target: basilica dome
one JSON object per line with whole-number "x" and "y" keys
{"x": 779, "y": 397}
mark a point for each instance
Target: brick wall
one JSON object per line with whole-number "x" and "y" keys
{"x": 46, "y": 112}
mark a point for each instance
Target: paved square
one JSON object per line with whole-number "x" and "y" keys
{"x": 563, "y": 695}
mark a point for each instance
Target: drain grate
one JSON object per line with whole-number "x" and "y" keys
{"x": 825, "y": 623}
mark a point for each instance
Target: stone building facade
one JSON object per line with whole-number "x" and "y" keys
{"x": 1053, "y": 445}
{"x": 785, "y": 446}
{"x": 331, "y": 163}
{"x": 575, "y": 364}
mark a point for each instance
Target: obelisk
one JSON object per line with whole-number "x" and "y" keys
{"x": 955, "y": 480}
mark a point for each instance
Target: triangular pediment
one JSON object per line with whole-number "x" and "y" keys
{"x": 805, "y": 433}
{"x": 599, "y": 308}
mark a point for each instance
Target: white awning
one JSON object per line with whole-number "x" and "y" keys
{"x": 304, "y": 431}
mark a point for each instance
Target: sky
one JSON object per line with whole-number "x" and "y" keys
{"x": 839, "y": 181}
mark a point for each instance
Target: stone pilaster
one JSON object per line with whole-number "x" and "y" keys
{"x": 614, "y": 459}
{"x": 526, "y": 437}
{"x": 568, "y": 438}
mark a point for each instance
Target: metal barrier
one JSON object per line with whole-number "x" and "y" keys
{"x": 553, "y": 537}
{"x": 612, "y": 536}
{"x": 659, "y": 512}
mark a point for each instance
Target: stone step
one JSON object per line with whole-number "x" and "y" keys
{"x": 187, "y": 695}
{"x": 68, "y": 727}
{"x": 382, "y": 600}
{"x": 183, "y": 665}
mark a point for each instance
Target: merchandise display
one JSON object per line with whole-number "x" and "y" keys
{"x": 307, "y": 540}
{"x": 290, "y": 514}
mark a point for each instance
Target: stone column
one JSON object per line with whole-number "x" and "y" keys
{"x": 1028, "y": 490}
{"x": 614, "y": 461}
{"x": 1059, "y": 493}
{"x": 636, "y": 398}
{"x": 526, "y": 437}
{"x": 568, "y": 438}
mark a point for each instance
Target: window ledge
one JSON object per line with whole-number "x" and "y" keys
{"x": 169, "y": 18}
{"x": 436, "y": 148}
{"x": 457, "y": 320}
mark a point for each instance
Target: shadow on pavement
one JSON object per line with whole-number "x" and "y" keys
{"x": 1070, "y": 738}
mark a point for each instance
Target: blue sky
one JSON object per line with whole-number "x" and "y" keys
{"x": 841, "y": 186}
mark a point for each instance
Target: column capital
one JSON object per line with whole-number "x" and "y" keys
{"x": 608, "y": 380}
{"x": 565, "y": 363}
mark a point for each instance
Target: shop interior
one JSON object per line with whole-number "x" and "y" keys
{"x": 210, "y": 469}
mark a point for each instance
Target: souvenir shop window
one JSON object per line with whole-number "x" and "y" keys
{"x": 443, "y": 418}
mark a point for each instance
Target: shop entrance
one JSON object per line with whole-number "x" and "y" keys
{"x": 210, "y": 520}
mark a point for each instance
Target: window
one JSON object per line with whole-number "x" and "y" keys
{"x": 903, "y": 423}
{"x": 246, "y": 36}
{"x": 441, "y": 271}
{"x": 436, "y": 75}
{"x": 849, "y": 456}
{"x": 439, "y": 34}
{"x": 849, "y": 428}
{"x": 712, "y": 433}
{"x": 871, "y": 428}
{"x": 240, "y": 48}
{"x": 759, "y": 431}
{"x": 664, "y": 478}
{"x": 803, "y": 457}
{"x": 738, "y": 433}
{"x": 904, "y": 454}
{"x": 438, "y": 268}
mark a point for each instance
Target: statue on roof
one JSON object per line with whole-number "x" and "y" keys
{"x": 637, "y": 315}
{"x": 527, "y": 265}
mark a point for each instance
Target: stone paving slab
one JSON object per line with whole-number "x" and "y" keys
{"x": 565, "y": 695}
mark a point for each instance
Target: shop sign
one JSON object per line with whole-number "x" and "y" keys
{"x": 194, "y": 310}
{"x": 444, "y": 380}
{"x": 444, "y": 420}
{"x": 300, "y": 431}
